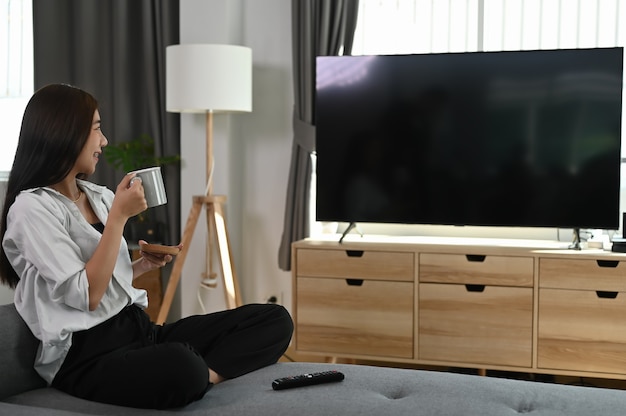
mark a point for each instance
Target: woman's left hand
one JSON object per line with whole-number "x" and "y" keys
{"x": 150, "y": 261}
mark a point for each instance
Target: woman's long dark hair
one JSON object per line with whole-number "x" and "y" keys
{"x": 55, "y": 127}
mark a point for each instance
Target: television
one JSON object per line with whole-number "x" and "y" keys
{"x": 515, "y": 138}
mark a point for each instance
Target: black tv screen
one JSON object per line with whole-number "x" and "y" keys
{"x": 520, "y": 138}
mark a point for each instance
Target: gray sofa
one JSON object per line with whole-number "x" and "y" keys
{"x": 366, "y": 390}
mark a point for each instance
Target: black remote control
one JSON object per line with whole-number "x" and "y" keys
{"x": 307, "y": 379}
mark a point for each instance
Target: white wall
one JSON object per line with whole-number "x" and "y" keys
{"x": 252, "y": 151}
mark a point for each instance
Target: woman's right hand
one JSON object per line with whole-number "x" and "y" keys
{"x": 129, "y": 198}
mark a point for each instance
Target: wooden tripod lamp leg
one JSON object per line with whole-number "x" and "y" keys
{"x": 231, "y": 288}
{"x": 179, "y": 262}
{"x": 217, "y": 224}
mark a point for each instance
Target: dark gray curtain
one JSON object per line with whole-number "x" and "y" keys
{"x": 319, "y": 28}
{"x": 115, "y": 50}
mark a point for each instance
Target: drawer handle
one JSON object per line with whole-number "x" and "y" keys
{"x": 478, "y": 258}
{"x": 354, "y": 253}
{"x": 354, "y": 282}
{"x": 608, "y": 263}
{"x": 604, "y": 294}
{"x": 475, "y": 288}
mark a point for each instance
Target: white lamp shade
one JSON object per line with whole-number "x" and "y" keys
{"x": 215, "y": 78}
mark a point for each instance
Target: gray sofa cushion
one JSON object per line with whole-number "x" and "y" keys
{"x": 17, "y": 410}
{"x": 367, "y": 390}
{"x": 18, "y": 347}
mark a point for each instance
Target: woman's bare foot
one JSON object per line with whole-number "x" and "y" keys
{"x": 214, "y": 377}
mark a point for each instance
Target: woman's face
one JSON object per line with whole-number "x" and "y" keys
{"x": 89, "y": 156}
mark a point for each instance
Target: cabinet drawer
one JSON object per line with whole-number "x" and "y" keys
{"x": 374, "y": 318}
{"x": 476, "y": 269}
{"x": 361, "y": 264}
{"x": 492, "y": 326}
{"x": 584, "y": 274}
{"x": 582, "y": 331}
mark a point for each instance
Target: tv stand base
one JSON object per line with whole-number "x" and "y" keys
{"x": 576, "y": 241}
{"x": 350, "y": 228}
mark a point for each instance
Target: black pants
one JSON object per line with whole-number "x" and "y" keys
{"x": 129, "y": 361}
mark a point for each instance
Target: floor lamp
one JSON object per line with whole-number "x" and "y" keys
{"x": 207, "y": 79}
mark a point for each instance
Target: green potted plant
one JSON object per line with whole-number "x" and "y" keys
{"x": 132, "y": 155}
{"x": 136, "y": 154}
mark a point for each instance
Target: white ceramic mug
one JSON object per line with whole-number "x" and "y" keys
{"x": 153, "y": 186}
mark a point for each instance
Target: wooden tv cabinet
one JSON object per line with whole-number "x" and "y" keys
{"x": 513, "y": 305}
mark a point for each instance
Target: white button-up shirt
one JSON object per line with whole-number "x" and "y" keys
{"x": 48, "y": 242}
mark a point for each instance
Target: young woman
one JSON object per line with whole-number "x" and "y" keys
{"x": 64, "y": 253}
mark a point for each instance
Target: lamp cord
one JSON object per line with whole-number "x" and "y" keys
{"x": 210, "y": 178}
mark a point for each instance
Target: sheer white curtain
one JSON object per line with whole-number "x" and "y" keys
{"x": 426, "y": 26}
{"x": 16, "y": 72}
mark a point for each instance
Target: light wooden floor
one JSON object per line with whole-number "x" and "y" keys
{"x": 292, "y": 355}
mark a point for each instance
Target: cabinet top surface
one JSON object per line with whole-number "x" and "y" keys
{"x": 542, "y": 248}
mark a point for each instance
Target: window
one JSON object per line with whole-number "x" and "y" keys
{"x": 424, "y": 26}
{"x": 16, "y": 72}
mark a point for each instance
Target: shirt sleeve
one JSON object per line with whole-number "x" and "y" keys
{"x": 40, "y": 247}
